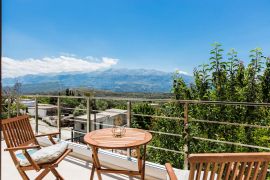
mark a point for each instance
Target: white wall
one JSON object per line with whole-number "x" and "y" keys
{"x": 41, "y": 112}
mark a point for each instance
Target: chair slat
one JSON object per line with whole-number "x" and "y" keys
{"x": 256, "y": 170}
{"x": 29, "y": 129}
{"x": 12, "y": 135}
{"x": 192, "y": 171}
{"x": 32, "y": 135}
{"x": 242, "y": 170}
{"x": 23, "y": 131}
{"x": 27, "y": 133}
{"x": 205, "y": 174}
{"x": 213, "y": 172}
{"x": 235, "y": 170}
{"x": 264, "y": 171}
{"x": 19, "y": 132}
{"x": 249, "y": 169}
{"x": 7, "y": 136}
{"x": 199, "y": 170}
{"x": 220, "y": 172}
{"x": 228, "y": 170}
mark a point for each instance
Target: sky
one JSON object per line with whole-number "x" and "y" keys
{"x": 87, "y": 35}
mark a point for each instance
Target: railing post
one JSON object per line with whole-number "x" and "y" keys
{"x": 128, "y": 114}
{"x": 72, "y": 135}
{"x": 9, "y": 101}
{"x": 88, "y": 122}
{"x": 128, "y": 125}
{"x": 95, "y": 121}
{"x": 18, "y": 105}
{"x": 93, "y": 108}
{"x": 59, "y": 117}
{"x": 36, "y": 114}
{"x": 186, "y": 136}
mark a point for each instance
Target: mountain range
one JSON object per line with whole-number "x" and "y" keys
{"x": 117, "y": 80}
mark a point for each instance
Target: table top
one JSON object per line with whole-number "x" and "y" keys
{"x": 103, "y": 138}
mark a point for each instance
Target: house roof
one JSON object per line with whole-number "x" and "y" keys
{"x": 107, "y": 113}
{"x": 44, "y": 106}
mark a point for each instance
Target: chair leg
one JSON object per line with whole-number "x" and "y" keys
{"x": 23, "y": 174}
{"x": 43, "y": 174}
{"x": 56, "y": 174}
{"x": 92, "y": 172}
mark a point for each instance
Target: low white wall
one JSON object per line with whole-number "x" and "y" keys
{"x": 113, "y": 160}
{"x": 41, "y": 112}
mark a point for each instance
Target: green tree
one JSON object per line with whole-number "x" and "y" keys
{"x": 142, "y": 122}
{"x": 232, "y": 64}
{"x": 79, "y": 110}
{"x": 265, "y": 82}
{"x": 202, "y": 82}
{"x": 218, "y": 69}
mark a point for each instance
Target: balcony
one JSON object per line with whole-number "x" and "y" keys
{"x": 80, "y": 160}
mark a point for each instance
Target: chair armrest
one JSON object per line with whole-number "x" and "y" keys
{"x": 22, "y": 148}
{"x": 48, "y": 134}
{"x": 170, "y": 171}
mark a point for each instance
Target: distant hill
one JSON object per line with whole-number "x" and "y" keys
{"x": 117, "y": 80}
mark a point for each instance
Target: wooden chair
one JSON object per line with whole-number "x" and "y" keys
{"x": 227, "y": 166}
{"x": 19, "y": 135}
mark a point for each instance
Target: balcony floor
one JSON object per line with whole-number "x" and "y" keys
{"x": 71, "y": 168}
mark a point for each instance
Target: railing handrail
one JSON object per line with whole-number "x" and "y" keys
{"x": 156, "y": 100}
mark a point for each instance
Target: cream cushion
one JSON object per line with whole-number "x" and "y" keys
{"x": 44, "y": 155}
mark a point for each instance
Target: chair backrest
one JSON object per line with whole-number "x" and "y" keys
{"x": 229, "y": 166}
{"x": 18, "y": 132}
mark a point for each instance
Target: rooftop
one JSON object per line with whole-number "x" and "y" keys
{"x": 103, "y": 114}
{"x": 44, "y": 106}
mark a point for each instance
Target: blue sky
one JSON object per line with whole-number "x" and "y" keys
{"x": 155, "y": 34}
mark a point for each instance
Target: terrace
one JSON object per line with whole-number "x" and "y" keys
{"x": 80, "y": 160}
{"x": 67, "y": 169}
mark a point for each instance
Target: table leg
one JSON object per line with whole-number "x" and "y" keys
{"x": 96, "y": 161}
{"x": 93, "y": 168}
{"x": 139, "y": 159}
{"x": 143, "y": 167}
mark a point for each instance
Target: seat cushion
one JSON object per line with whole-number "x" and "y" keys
{"x": 45, "y": 155}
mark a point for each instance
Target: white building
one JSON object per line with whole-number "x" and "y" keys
{"x": 43, "y": 110}
{"x": 100, "y": 120}
{"x": 28, "y": 102}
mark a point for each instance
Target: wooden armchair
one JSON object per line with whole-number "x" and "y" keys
{"x": 19, "y": 135}
{"x": 227, "y": 166}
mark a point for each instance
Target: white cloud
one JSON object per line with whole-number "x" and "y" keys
{"x": 181, "y": 72}
{"x": 51, "y": 65}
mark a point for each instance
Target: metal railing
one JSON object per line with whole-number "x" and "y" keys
{"x": 186, "y": 119}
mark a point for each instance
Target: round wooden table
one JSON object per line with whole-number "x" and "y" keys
{"x": 103, "y": 138}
